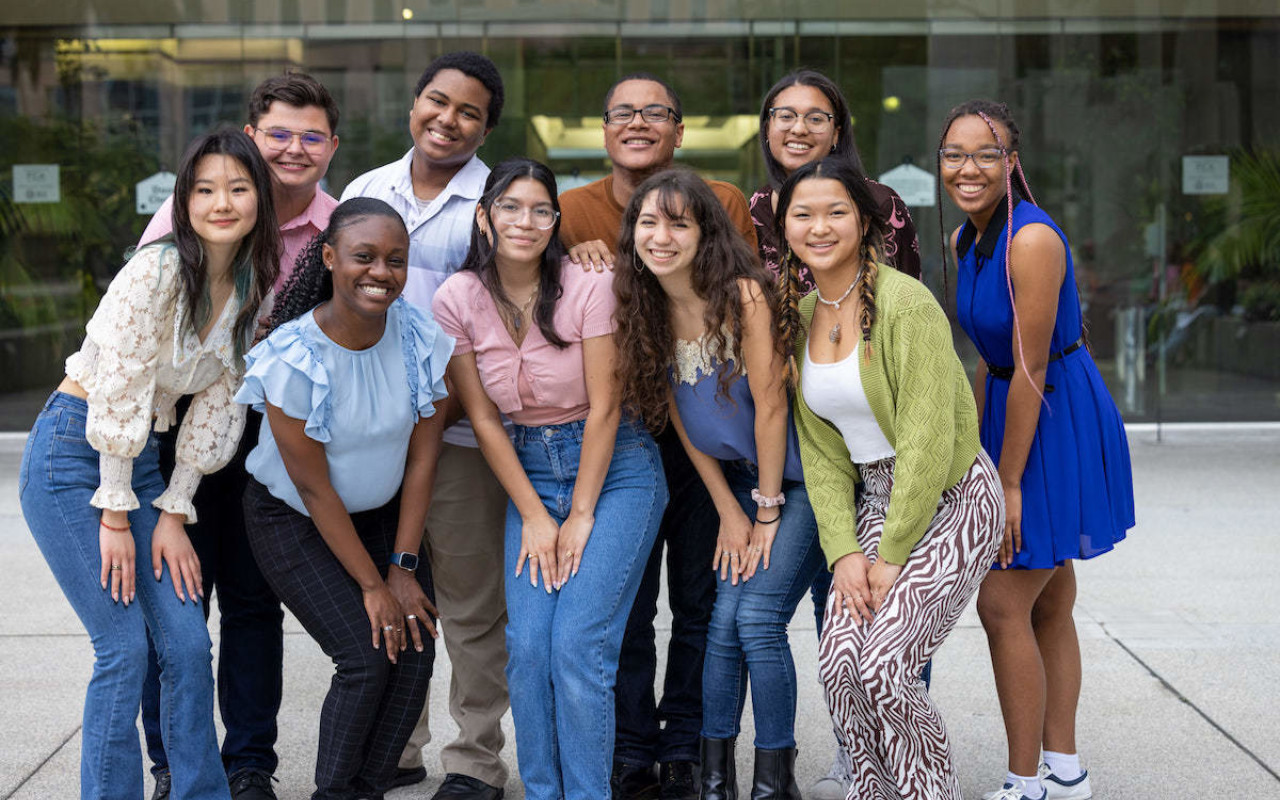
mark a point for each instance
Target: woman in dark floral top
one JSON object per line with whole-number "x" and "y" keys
{"x": 804, "y": 118}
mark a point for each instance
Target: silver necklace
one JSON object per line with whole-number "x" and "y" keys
{"x": 522, "y": 310}
{"x": 834, "y": 335}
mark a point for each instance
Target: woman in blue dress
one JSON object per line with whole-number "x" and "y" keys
{"x": 1053, "y": 431}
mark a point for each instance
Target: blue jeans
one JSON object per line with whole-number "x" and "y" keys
{"x": 748, "y": 633}
{"x": 59, "y": 475}
{"x": 648, "y": 730}
{"x": 563, "y": 647}
{"x": 250, "y": 647}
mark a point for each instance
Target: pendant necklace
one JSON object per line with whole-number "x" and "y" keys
{"x": 834, "y": 335}
{"x": 518, "y": 321}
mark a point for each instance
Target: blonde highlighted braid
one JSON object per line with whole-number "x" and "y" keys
{"x": 789, "y": 323}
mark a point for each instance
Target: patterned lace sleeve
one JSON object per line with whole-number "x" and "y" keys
{"x": 117, "y": 368}
{"x": 207, "y": 442}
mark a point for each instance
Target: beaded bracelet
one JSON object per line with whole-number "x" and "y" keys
{"x": 113, "y": 529}
{"x": 768, "y": 502}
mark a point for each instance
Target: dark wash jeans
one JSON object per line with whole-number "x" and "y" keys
{"x": 251, "y": 642}
{"x": 648, "y": 731}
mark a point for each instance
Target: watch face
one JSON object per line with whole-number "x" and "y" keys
{"x": 407, "y": 561}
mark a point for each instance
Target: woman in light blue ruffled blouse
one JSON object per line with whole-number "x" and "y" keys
{"x": 348, "y": 380}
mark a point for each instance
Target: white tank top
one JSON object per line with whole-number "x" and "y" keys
{"x": 834, "y": 392}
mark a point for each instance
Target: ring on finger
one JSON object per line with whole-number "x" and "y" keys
{"x": 115, "y": 567}
{"x": 411, "y": 616}
{"x": 388, "y": 627}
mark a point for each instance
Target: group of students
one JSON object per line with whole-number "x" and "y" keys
{"x": 469, "y": 398}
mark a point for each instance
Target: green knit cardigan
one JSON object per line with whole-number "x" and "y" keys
{"x": 924, "y": 405}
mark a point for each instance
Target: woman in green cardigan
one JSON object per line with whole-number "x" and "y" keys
{"x": 881, "y": 398}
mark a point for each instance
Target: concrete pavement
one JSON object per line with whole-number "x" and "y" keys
{"x": 1179, "y": 627}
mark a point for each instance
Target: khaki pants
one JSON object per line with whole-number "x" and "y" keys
{"x": 464, "y": 542}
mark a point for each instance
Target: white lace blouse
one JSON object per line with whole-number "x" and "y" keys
{"x": 136, "y": 361}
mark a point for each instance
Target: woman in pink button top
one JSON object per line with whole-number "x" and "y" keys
{"x": 535, "y": 342}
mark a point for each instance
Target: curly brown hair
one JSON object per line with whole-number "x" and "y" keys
{"x": 646, "y": 344}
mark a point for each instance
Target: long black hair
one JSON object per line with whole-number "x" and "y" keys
{"x": 257, "y": 261}
{"x": 875, "y": 230}
{"x": 845, "y": 146}
{"x": 311, "y": 283}
{"x": 482, "y": 258}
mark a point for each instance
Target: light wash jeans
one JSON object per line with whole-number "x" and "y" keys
{"x": 59, "y": 475}
{"x": 563, "y": 647}
{"x": 748, "y": 632}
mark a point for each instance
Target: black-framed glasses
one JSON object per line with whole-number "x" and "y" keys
{"x": 986, "y": 158}
{"x": 506, "y": 212}
{"x": 785, "y": 117}
{"x": 655, "y": 112}
{"x": 281, "y": 138}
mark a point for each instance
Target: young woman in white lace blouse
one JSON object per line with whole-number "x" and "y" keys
{"x": 175, "y": 321}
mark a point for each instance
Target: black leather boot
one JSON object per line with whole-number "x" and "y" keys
{"x": 775, "y": 775}
{"x": 719, "y": 775}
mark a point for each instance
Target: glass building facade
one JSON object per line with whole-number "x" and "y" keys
{"x": 1151, "y": 132}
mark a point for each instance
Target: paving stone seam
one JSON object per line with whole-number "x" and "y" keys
{"x": 1192, "y": 705}
{"x": 36, "y": 769}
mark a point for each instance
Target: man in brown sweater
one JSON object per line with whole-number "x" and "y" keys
{"x": 642, "y": 129}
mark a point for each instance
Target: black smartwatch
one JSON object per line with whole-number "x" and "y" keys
{"x": 405, "y": 561}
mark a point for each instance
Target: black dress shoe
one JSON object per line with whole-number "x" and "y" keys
{"x": 408, "y": 776}
{"x": 679, "y": 780}
{"x": 251, "y": 784}
{"x": 163, "y": 782}
{"x": 633, "y": 783}
{"x": 465, "y": 787}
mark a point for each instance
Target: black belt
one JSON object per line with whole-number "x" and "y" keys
{"x": 1006, "y": 373}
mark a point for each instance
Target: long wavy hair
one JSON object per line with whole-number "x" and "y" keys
{"x": 875, "y": 230}
{"x": 845, "y": 145}
{"x": 256, "y": 263}
{"x": 311, "y": 283}
{"x": 646, "y": 344}
{"x": 482, "y": 258}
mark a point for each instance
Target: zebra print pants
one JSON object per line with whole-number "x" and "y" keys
{"x": 871, "y": 672}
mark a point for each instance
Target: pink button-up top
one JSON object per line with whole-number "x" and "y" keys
{"x": 535, "y": 383}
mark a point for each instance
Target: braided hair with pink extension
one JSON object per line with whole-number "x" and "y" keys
{"x": 992, "y": 112}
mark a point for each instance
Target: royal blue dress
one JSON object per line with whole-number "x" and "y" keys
{"x": 1077, "y": 488}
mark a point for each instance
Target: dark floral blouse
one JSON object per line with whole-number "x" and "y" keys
{"x": 902, "y": 249}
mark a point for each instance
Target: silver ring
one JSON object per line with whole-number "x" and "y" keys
{"x": 411, "y": 616}
{"x": 733, "y": 555}
{"x": 115, "y": 566}
{"x": 388, "y": 627}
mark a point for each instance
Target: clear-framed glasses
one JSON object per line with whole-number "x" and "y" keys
{"x": 281, "y": 138}
{"x": 986, "y": 158}
{"x": 655, "y": 112}
{"x": 785, "y": 117}
{"x": 505, "y": 212}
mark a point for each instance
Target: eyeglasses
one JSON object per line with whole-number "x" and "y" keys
{"x": 651, "y": 113}
{"x": 281, "y": 138}
{"x": 785, "y": 117}
{"x": 986, "y": 158}
{"x": 506, "y": 212}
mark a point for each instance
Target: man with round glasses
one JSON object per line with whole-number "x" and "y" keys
{"x": 294, "y": 121}
{"x": 642, "y": 129}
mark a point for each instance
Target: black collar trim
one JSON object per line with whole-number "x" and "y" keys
{"x": 987, "y": 244}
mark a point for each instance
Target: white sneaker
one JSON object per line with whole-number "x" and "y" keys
{"x": 836, "y": 783}
{"x": 1057, "y": 789}
{"x": 1008, "y": 792}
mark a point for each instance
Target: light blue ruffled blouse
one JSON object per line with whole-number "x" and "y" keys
{"x": 361, "y": 404}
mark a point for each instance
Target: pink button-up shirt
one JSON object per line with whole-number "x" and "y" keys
{"x": 295, "y": 234}
{"x": 535, "y": 383}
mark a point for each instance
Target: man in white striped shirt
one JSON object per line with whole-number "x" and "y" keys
{"x": 435, "y": 187}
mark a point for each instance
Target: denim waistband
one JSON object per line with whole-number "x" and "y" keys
{"x": 571, "y": 431}
{"x": 68, "y": 401}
